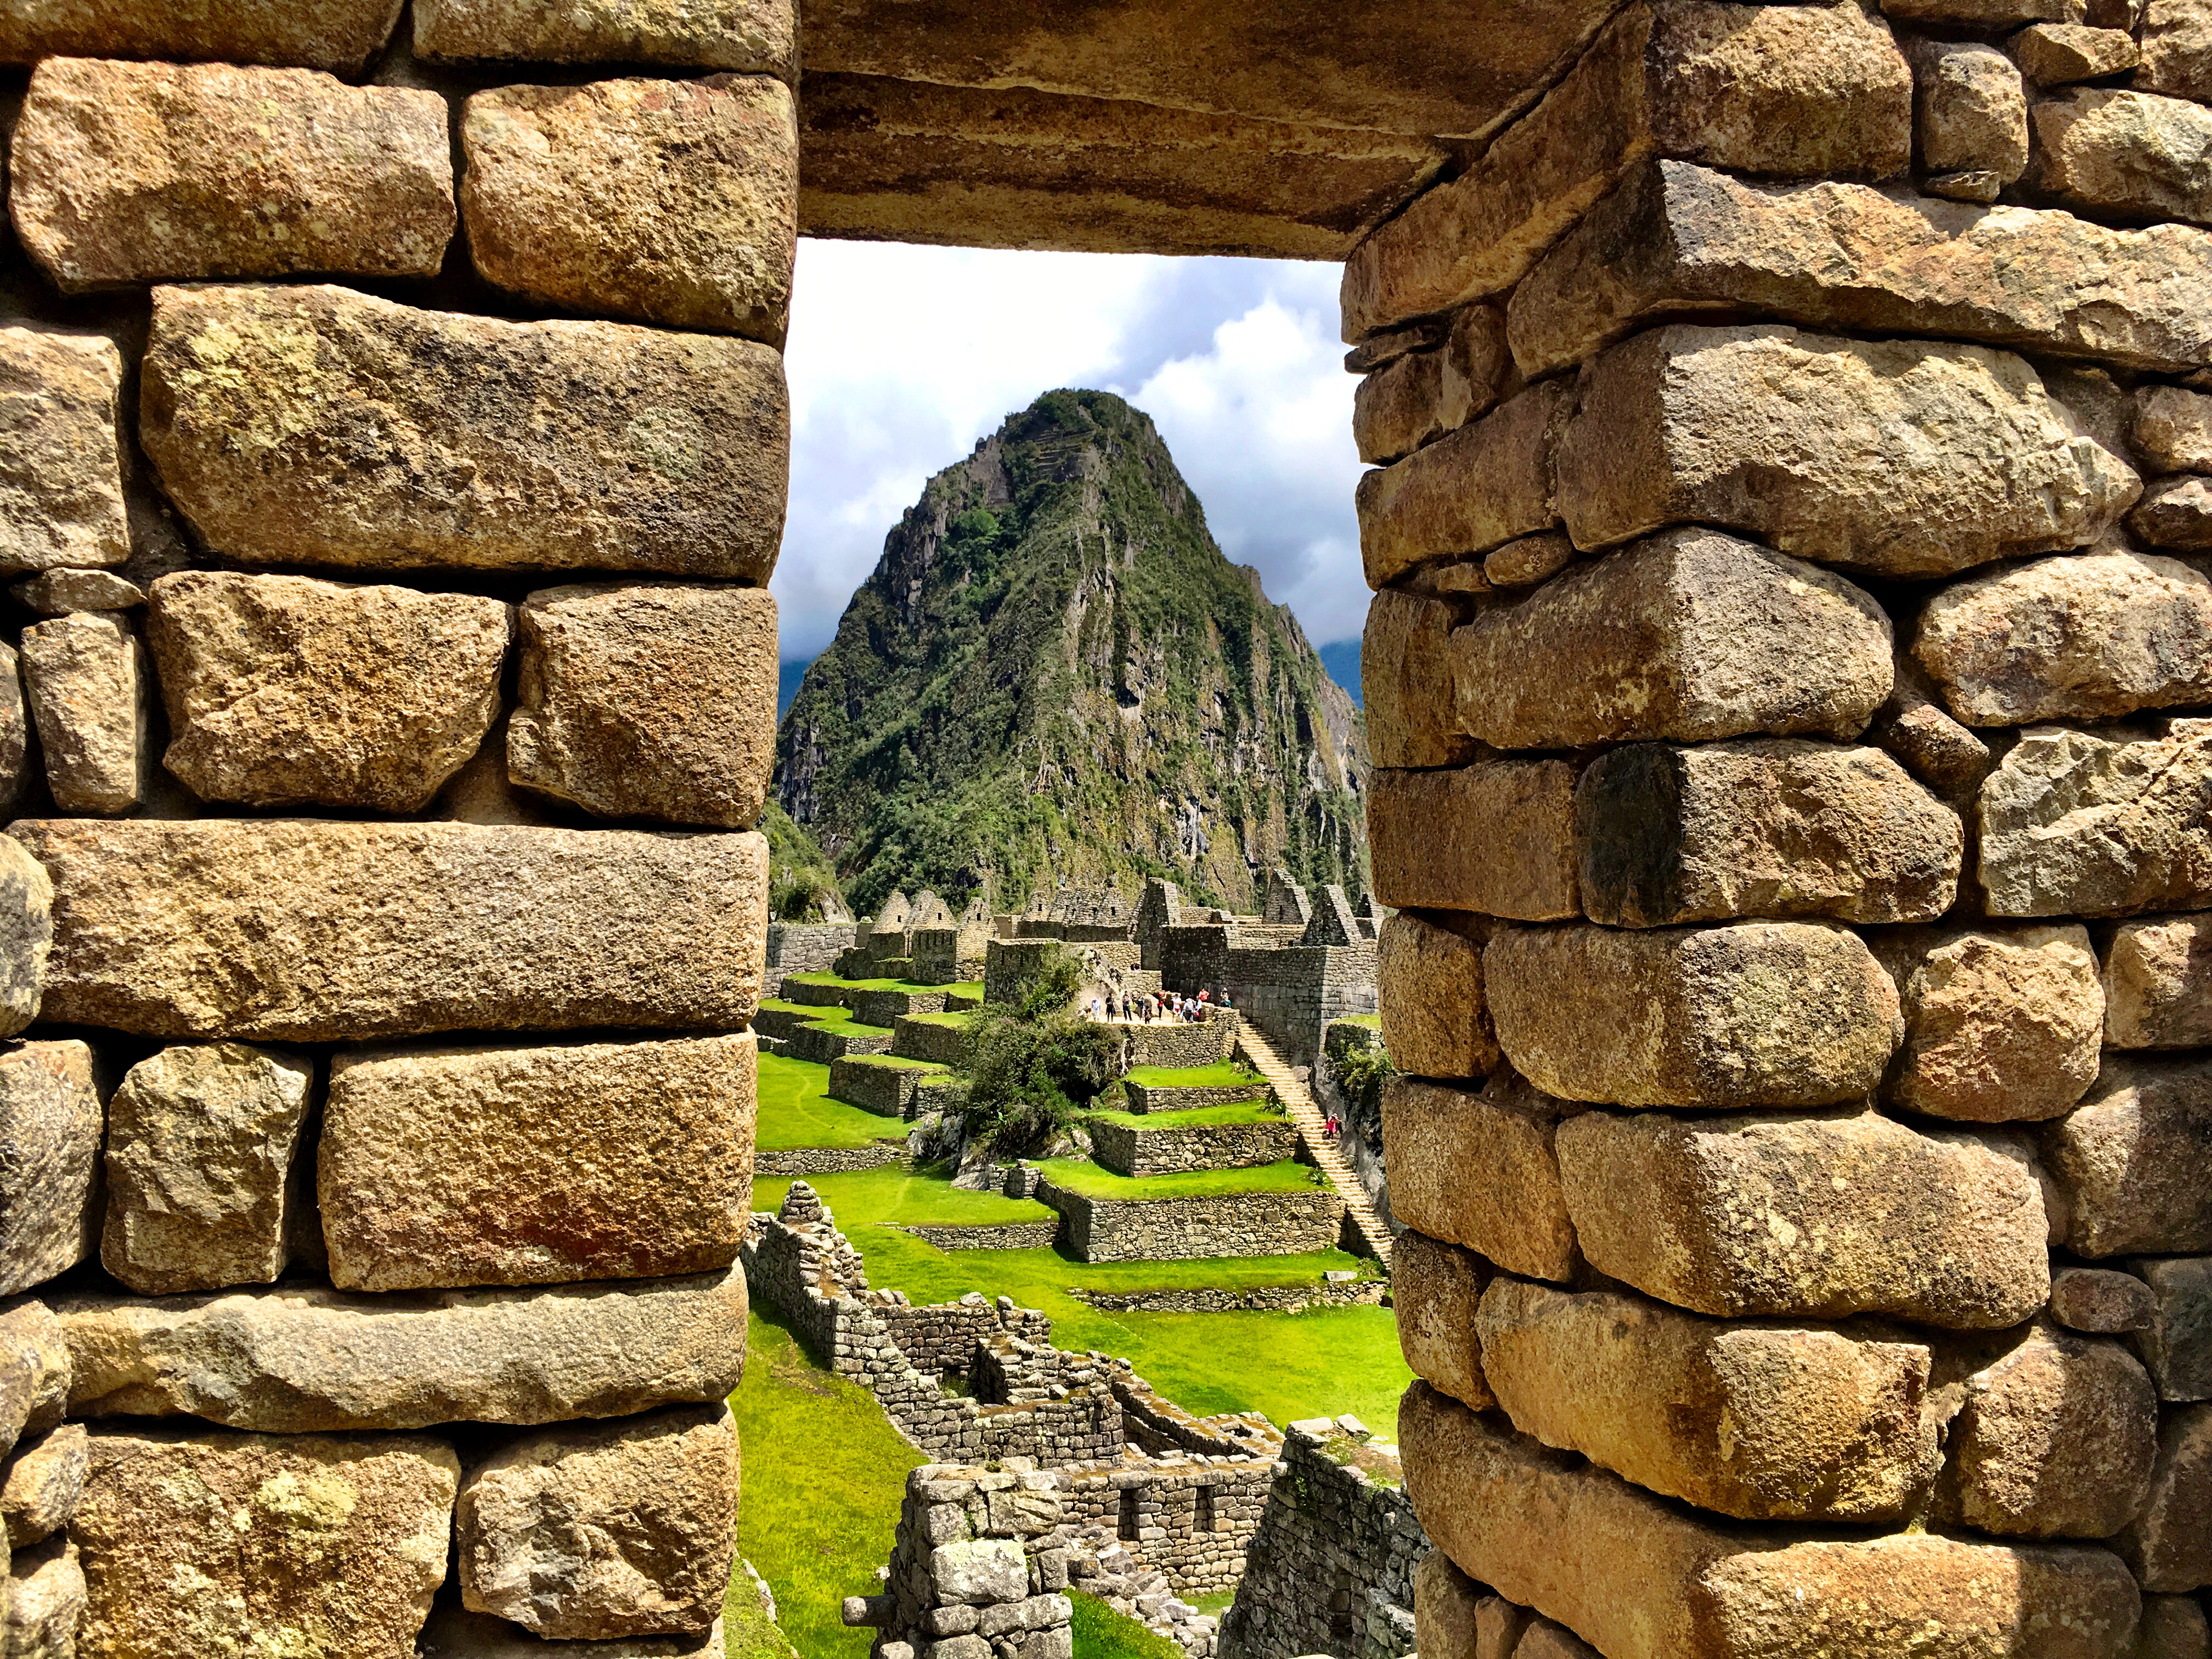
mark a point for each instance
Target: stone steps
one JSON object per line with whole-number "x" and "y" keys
{"x": 1313, "y": 1130}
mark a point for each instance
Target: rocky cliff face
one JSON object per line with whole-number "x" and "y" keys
{"x": 1054, "y": 674}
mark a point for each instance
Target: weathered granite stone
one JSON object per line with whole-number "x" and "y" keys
{"x": 1762, "y": 826}
{"x": 1479, "y": 1169}
{"x": 1689, "y": 635}
{"x": 45, "y": 1599}
{"x": 57, "y": 593}
{"x": 218, "y": 1544}
{"x": 1429, "y": 979}
{"x": 200, "y": 1144}
{"x": 2158, "y": 983}
{"x": 2173, "y": 1627}
{"x": 2126, "y": 1159}
{"x": 87, "y": 682}
{"x": 1546, "y": 1640}
{"x": 1640, "y": 1578}
{"x": 760, "y": 35}
{"x": 1970, "y": 110}
{"x": 2175, "y": 512}
{"x": 61, "y": 467}
{"x": 2099, "y": 1300}
{"x": 1931, "y": 745}
{"x": 1405, "y": 674}
{"x": 454, "y": 1632}
{"x": 315, "y": 425}
{"x": 1416, "y": 398}
{"x": 1472, "y": 490}
{"x": 2172, "y": 430}
{"x": 2060, "y": 54}
{"x": 624, "y": 1528}
{"x": 296, "y": 930}
{"x": 1983, "y": 13}
{"x": 2177, "y": 49}
{"x": 451, "y": 1167}
{"x": 668, "y": 202}
{"x": 2110, "y": 151}
{"x": 1758, "y": 1422}
{"x": 1446, "y": 1604}
{"x": 2054, "y": 1439}
{"x": 1757, "y": 1013}
{"x": 341, "y": 36}
{"x": 15, "y": 756}
{"x": 2175, "y": 1330}
{"x": 1787, "y": 90}
{"x": 2000, "y": 1025}
{"x": 286, "y": 691}
{"x": 2170, "y": 1543}
{"x": 1496, "y": 837}
{"x": 26, "y": 934}
{"x": 296, "y": 1361}
{"x": 1531, "y": 560}
{"x": 2099, "y": 824}
{"x": 649, "y": 702}
{"x": 1808, "y": 1218}
{"x": 34, "y": 1371}
{"x": 1498, "y": 1625}
{"x": 147, "y": 172}
{"x": 50, "y": 1120}
{"x": 44, "y": 1482}
{"x": 1436, "y": 1289}
{"x": 1821, "y": 445}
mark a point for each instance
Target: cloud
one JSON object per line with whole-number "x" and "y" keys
{"x": 901, "y": 358}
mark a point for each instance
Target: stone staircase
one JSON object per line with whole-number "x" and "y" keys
{"x": 1312, "y": 1126}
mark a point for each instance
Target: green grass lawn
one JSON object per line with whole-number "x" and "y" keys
{"x": 950, "y": 1022}
{"x": 1091, "y": 1182}
{"x": 973, "y": 988}
{"x": 1102, "y": 1633}
{"x": 872, "y": 1197}
{"x": 1202, "y": 1117}
{"x": 1221, "y": 1073}
{"x": 796, "y": 1110}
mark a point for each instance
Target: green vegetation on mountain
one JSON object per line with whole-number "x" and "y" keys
{"x": 1055, "y": 675}
{"x": 801, "y": 885}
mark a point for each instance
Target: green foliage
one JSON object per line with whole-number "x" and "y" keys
{"x": 1092, "y": 1182}
{"x": 796, "y": 1110}
{"x": 800, "y": 882}
{"x": 1220, "y": 1074}
{"x": 1029, "y": 1078}
{"x": 1102, "y": 1633}
{"x": 1203, "y": 1117}
{"x": 1361, "y": 1073}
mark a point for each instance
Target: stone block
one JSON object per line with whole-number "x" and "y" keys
{"x": 57, "y": 593}
{"x": 86, "y": 679}
{"x": 303, "y": 1360}
{"x": 2060, "y": 54}
{"x": 2173, "y": 1627}
{"x": 979, "y": 1572}
{"x": 1826, "y": 447}
{"x": 1496, "y": 837}
{"x": 2054, "y": 1439}
{"x": 2097, "y": 1300}
{"x": 1531, "y": 560}
{"x": 1689, "y": 635}
{"x": 287, "y": 691}
{"x": 342, "y": 36}
{"x": 1436, "y": 1289}
{"x": 1783, "y": 90}
{"x": 666, "y": 202}
{"x": 2174, "y": 1326}
{"x": 2175, "y": 512}
{"x": 44, "y": 1601}
{"x": 204, "y": 1542}
{"x": 2125, "y": 1159}
{"x": 2000, "y": 1025}
{"x": 647, "y": 1511}
{"x": 522, "y": 1166}
{"x": 1444, "y": 1603}
{"x": 43, "y": 1483}
{"x": 1756, "y": 1013}
{"x": 200, "y": 1148}
{"x": 1415, "y": 399}
{"x": 50, "y": 1121}
{"x": 1480, "y": 1169}
{"x": 61, "y": 467}
{"x": 1546, "y": 1640}
{"x": 2096, "y": 824}
{"x": 1970, "y": 110}
{"x": 454, "y": 1632}
{"x": 649, "y": 702}
{"x": 26, "y": 934}
{"x": 2177, "y": 49}
{"x": 1640, "y": 1579}
{"x": 1767, "y": 827}
{"x": 1983, "y": 14}
{"x": 2158, "y": 983}
{"x": 150, "y": 172}
{"x": 391, "y": 437}
{"x": 1498, "y": 1625}
{"x": 1471, "y": 490}
{"x": 34, "y": 1371}
{"x": 1429, "y": 981}
{"x": 1808, "y": 1218}
{"x": 756, "y": 35}
{"x": 2170, "y": 1544}
{"x": 1935, "y": 748}
{"x": 1405, "y": 674}
{"x": 296, "y": 930}
{"x": 2110, "y": 150}
{"x": 2172, "y": 430}
{"x": 1758, "y": 1422}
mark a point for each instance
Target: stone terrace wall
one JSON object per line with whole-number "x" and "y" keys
{"x": 1182, "y": 1516}
{"x": 361, "y": 842}
{"x": 1183, "y": 1229}
{"x": 796, "y": 947}
{"x": 1791, "y": 782}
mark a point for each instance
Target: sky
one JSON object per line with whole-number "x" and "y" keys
{"x": 901, "y": 357}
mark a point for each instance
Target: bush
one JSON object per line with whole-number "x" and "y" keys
{"x": 1361, "y": 1073}
{"x": 1032, "y": 1067}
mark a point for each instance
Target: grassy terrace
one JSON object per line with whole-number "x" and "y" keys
{"x": 1203, "y": 1117}
{"x": 834, "y": 1019}
{"x": 796, "y": 1110}
{"x": 969, "y": 988}
{"x": 950, "y": 1022}
{"x": 1091, "y": 1182}
{"x": 1219, "y": 1075}
{"x": 890, "y": 1196}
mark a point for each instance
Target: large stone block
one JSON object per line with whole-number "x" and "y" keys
{"x": 34, "y": 1371}
{"x": 2174, "y": 1334}
{"x": 2099, "y": 1300}
{"x": 318, "y": 425}
{"x": 50, "y": 1121}
{"x": 1496, "y": 837}
{"x": 2177, "y": 49}
{"x": 45, "y": 1478}
{"x": 1768, "y": 826}
{"x": 760, "y": 35}
{"x": 624, "y": 1528}
{"x": 649, "y": 702}
{"x": 525, "y": 1166}
{"x": 1787, "y": 90}
{"x": 341, "y": 36}
{"x": 1899, "y": 458}
{"x": 2126, "y": 1159}
{"x": 2094, "y": 823}
{"x": 150, "y": 172}
{"x": 2132, "y": 154}
{"x": 1760, "y": 1422}
{"x": 1689, "y": 635}
{"x": 2171, "y": 431}
{"x": 454, "y": 1632}
{"x": 1405, "y": 680}
{"x": 61, "y": 466}
{"x": 2158, "y": 983}
{"x": 298, "y": 1361}
{"x": 1808, "y": 1218}
{"x": 2000, "y": 1026}
{"x": 1470, "y": 491}
{"x": 1639, "y": 1579}
{"x": 210, "y": 1543}
{"x": 1969, "y": 111}
{"x": 2060, "y": 54}
{"x": 2173, "y": 1627}
{"x": 26, "y": 935}
{"x": 1446, "y": 1604}
{"x": 2176, "y": 513}
{"x": 1416, "y": 398}
{"x": 1428, "y": 978}
{"x": 318, "y": 931}
{"x": 1478, "y": 1168}
{"x": 1758, "y": 1013}
{"x": 90, "y": 692}
{"x": 286, "y": 691}
{"x": 667, "y": 201}
{"x": 1437, "y": 1290}
{"x": 200, "y": 1147}
{"x": 2170, "y": 1544}
{"x": 45, "y": 1601}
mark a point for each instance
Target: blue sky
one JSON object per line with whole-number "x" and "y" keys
{"x": 901, "y": 357}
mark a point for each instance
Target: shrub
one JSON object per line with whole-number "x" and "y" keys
{"x": 1032, "y": 1067}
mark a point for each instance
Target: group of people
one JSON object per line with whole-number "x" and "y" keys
{"x": 1154, "y": 1007}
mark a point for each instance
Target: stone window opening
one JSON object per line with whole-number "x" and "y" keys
{"x": 1202, "y": 1517}
{"x": 1127, "y": 1528}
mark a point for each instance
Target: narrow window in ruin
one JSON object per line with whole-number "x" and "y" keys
{"x": 1202, "y": 1518}
{"x": 1128, "y": 1527}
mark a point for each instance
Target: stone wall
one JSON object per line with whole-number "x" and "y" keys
{"x": 1262, "y": 1298}
{"x": 1180, "y": 1043}
{"x": 1183, "y": 1229}
{"x": 803, "y": 947}
{"x": 828, "y": 1160}
{"x": 1005, "y": 1235}
{"x": 1182, "y": 1516}
{"x": 1166, "y": 1149}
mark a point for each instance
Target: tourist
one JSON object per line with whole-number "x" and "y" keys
{"x": 1332, "y": 1126}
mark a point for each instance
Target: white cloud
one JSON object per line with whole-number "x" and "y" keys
{"x": 901, "y": 358}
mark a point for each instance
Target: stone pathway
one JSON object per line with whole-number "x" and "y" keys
{"x": 1313, "y": 1129}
